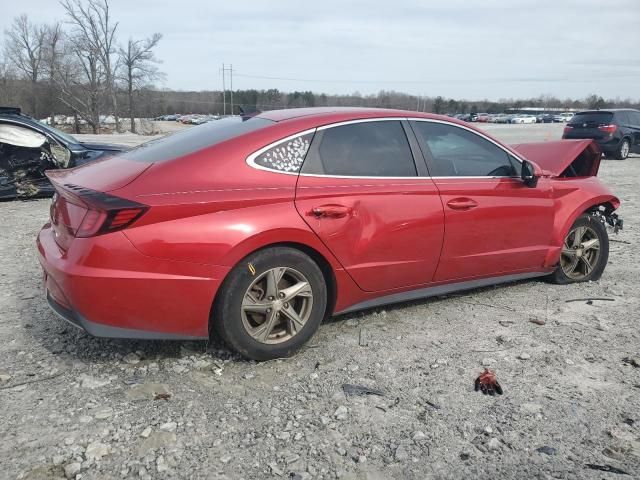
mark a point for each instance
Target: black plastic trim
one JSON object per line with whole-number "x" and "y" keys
{"x": 439, "y": 290}
{"x": 106, "y": 331}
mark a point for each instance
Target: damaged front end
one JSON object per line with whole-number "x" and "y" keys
{"x": 604, "y": 213}
{"x": 564, "y": 158}
{"x": 572, "y": 167}
{"x": 24, "y": 156}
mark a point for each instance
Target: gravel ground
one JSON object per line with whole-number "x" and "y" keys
{"x": 78, "y": 407}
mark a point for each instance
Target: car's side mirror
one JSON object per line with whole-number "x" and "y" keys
{"x": 530, "y": 173}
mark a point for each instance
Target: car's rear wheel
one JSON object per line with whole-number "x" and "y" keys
{"x": 585, "y": 252}
{"x": 623, "y": 149}
{"x": 271, "y": 303}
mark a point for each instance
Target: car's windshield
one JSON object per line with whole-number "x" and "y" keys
{"x": 64, "y": 136}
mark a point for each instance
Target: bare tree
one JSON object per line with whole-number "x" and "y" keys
{"x": 80, "y": 78}
{"x": 95, "y": 28}
{"x": 53, "y": 57}
{"x": 7, "y": 95}
{"x": 139, "y": 68}
{"x": 25, "y": 49}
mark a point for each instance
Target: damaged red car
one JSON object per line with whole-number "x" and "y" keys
{"x": 256, "y": 229}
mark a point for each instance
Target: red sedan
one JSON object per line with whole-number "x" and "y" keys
{"x": 257, "y": 229}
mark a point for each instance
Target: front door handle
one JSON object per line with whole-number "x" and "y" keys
{"x": 462, "y": 203}
{"x": 331, "y": 211}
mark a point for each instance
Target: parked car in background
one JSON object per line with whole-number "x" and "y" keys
{"x": 256, "y": 229}
{"x": 28, "y": 148}
{"x": 548, "y": 118}
{"x": 617, "y": 131}
{"x": 483, "y": 118}
{"x": 523, "y": 119}
{"x": 563, "y": 117}
{"x": 171, "y": 117}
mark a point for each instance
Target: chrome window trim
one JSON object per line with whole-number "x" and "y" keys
{"x": 251, "y": 158}
{"x": 362, "y": 120}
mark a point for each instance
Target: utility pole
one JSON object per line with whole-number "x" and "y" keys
{"x": 224, "y": 92}
{"x": 231, "y": 81}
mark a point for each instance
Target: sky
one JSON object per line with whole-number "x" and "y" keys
{"x": 473, "y": 49}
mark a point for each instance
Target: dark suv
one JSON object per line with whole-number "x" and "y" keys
{"x": 616, "y": 131}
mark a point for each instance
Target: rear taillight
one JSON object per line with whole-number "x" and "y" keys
{"x": 608, "y": 128}
{"x": 567, "y": 128}
{"x": 90, "y": 213}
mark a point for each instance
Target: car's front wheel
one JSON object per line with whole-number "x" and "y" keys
{"x": 271, "y": 303}
{"x": 585, "y": 252}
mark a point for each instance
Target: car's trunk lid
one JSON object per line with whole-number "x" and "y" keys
{"x": 563, "y": 158}
{"x": 103, "y": 175}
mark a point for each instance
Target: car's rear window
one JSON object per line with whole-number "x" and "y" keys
{"x": 596, "y": 118}
{"x": 194, "y": 139}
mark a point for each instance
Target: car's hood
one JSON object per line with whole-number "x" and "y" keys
{"x": 105, "y": 147}
{"x": 555, "y": 157}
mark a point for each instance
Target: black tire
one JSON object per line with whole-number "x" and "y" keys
{"x": 623, "y": 149}
{"x": 227, "y": 319}
{"x": 559, "y": 277}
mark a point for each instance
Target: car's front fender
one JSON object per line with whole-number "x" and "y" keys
{"x": 573, "y": 197}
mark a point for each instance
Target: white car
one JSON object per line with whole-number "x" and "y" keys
{"x": 566, "y": 116}
{"x": 523, "y": 119}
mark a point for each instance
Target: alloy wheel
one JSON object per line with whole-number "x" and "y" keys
{"x": 624, "y": 149}
{"x": 580, "y": 253}
{"x": 277, "y": 305}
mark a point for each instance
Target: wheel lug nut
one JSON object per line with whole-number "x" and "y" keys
{"x": 281, "y": 295}
{"x": 271, "y": 298}
{"x": 286, "y": 305}
{"x": 268, "y": 310}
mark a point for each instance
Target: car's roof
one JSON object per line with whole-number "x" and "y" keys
{"x": 609, "y": 110}
{"x": 14, "y": 113}
{"x": 322, "y": 114}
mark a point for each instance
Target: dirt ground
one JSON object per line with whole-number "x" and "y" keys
{"x": 78, "y": 407}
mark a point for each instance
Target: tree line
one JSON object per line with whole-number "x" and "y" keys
{"x": 78, "y": 67}
{"x": 161, "y": 102}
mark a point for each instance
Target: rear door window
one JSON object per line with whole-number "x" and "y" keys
{"x": 364, "y": 149}
{"x": 621, "y": 118}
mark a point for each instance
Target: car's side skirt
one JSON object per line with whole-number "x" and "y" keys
{"x": 440, "y": 290}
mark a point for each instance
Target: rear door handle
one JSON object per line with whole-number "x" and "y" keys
{"x": 462, "y": 203}
{"x": 331, "y": 211}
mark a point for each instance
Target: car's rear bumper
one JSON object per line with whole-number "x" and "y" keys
{"x": 102, "y": 330}
{"x": 109, "y": 289}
